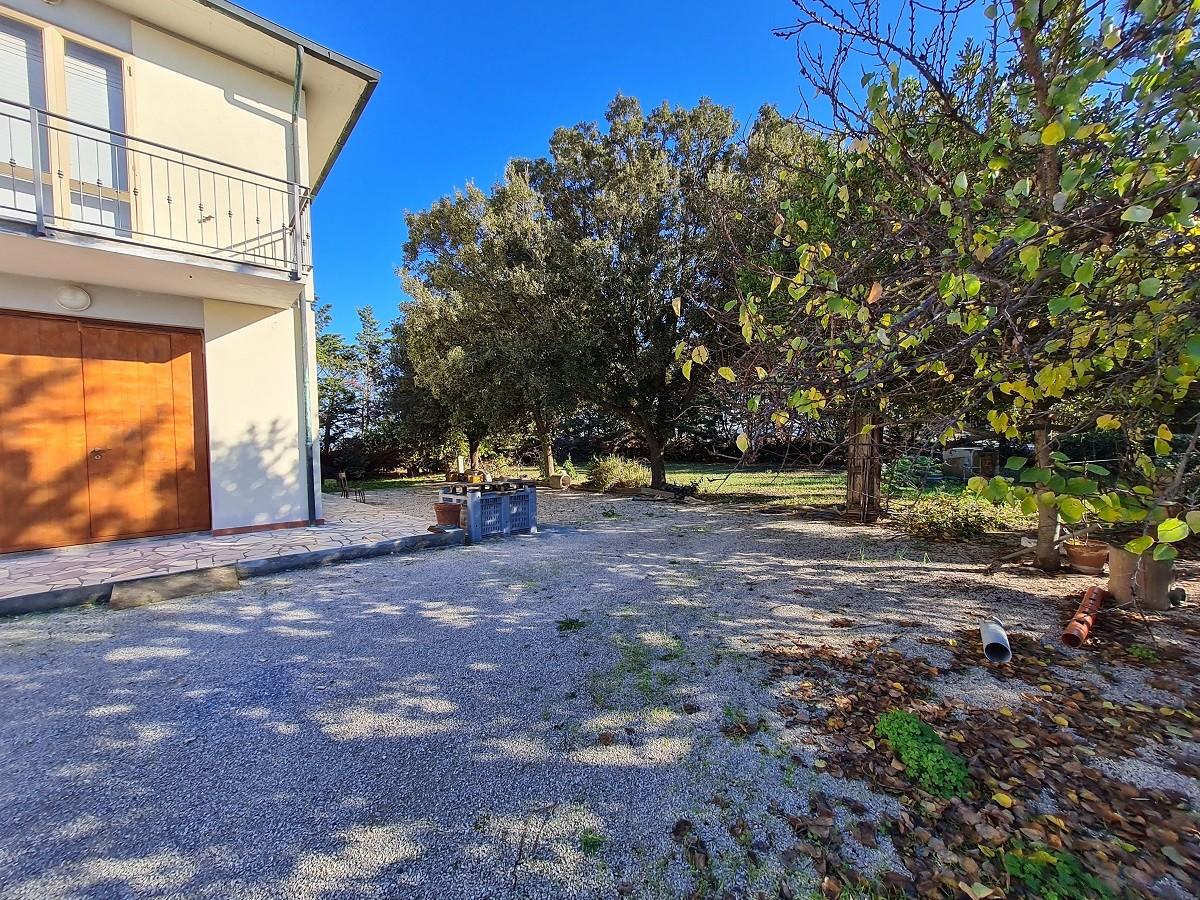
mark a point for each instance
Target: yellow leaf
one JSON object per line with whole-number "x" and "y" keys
{"x": 1005, "y": 711}
{"x": 1053, "y": 133}
{"x": 677, "y": 305}
{"x": 1062, "y": 720}
{"x": 1108, "y": 423}
{"x": 726, "y": 373}
{"x": 1003, "y": 799}
{"x": 1048, "y": 688}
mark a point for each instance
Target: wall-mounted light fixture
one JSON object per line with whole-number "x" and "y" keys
{"x": 73, "y": 298}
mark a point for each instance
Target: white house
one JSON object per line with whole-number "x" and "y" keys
{"x": 158, "y": 159}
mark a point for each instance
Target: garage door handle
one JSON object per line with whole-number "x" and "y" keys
{"x": 99, "y": 451}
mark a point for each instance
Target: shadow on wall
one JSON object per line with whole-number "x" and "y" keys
{"x": 255, "y": 479}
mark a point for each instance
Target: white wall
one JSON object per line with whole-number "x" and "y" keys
{"x": 254, "y": 415}
{"x": 109, "y": 304}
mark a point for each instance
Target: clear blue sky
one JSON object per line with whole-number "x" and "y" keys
{"x": 468, "y": 85}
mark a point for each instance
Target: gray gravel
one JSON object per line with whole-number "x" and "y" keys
{"x": 421, "y": 727}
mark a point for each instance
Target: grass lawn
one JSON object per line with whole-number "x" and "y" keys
{"x": 716, "y": 482}
{"x": 762, "y": 484}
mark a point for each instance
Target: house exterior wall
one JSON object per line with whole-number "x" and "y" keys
{"x": 178, "y": 93}
{"x": 184, "y": 96}
{"x": 256, "y": 444}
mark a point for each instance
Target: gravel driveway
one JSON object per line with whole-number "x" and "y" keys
{"x": 525, "y": 718}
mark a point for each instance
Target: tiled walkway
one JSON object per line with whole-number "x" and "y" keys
{"x": 347, "y": 524}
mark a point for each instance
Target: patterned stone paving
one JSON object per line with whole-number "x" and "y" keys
{"x": 346, "y": 523}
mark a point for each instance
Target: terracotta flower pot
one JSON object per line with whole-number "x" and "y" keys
{"x": 447, "y": 513}
{"x": 1087, "y": 557}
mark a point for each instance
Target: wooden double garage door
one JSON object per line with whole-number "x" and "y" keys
{"x": 102, "y": 432}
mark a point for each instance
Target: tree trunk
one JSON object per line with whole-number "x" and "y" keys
{"x": 547, "y": 446}
{"x": 474, "y": 460}
{"x": 864, "y": 468}
{"x": 1046, "y": 556}
{"x": 658, "y": 465}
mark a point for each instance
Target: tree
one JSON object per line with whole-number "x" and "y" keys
{"x": 485, "y": 332}
{"x": 337, "y": 406}
{"x": 1015, "y": 226}
{"x": 637, "y": 259}
{"x": 371, "y": 351}
{"x": 419, "y": 425}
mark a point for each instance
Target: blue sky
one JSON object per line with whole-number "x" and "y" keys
{"x": 468, "y": 85}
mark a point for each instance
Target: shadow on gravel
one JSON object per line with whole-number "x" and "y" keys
{"x": 395, "y": 727}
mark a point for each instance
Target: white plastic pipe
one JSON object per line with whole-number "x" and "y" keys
{"x": 995, "y": 641}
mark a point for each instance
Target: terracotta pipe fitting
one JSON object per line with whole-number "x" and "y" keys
{"x": 1076, "y": 633}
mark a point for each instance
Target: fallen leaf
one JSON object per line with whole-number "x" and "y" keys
{"x": 1003, "y": 799}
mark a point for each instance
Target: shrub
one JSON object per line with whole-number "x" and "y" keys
{"x": 928, "y": 761}
{"x": 607, "y": 472}
{"x": 950, "y": 517}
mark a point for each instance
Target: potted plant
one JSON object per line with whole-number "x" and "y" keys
{"x": 1086, "y": 555}
{"x": 447, "y": 513}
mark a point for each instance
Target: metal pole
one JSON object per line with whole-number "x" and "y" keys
{"x": 306, "y": 407}
{"x": 297, "y": 209}
{"x": 39, "y": 187}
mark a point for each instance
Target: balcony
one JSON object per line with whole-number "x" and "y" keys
{"x": 104, "y": 189}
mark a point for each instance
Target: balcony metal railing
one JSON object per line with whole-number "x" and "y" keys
{"x": 113, "y": 185}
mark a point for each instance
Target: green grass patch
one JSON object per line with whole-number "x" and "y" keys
{"x": 1051, "y": 874}
{"x": 570, "y": 624}
{"x": 761, "y": 484}
{"x": 926, "y": 757}
{"x": 591, "y": 841}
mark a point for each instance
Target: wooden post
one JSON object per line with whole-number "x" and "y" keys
{"x": 864, "y": 467}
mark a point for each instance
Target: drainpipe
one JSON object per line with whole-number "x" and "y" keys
{"x": 302, "y": 300}
{"x": 306, "y": 409}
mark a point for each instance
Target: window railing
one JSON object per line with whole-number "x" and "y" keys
{"x": 104, "y": 183}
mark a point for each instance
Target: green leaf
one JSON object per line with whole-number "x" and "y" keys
{"x": 960, "y": 184}
{"x": 1025, "y": 230}
{"x": 1193, "y": 520}
{"x": 1031, "y": 258}
{"x": 687, "y": 369}
{"x": 936, "y": 150}
{"x": 978, "y": 484}
{"x": 1071, "y": 508}
{"x": 1172, "y": 530}
{"x": 1165, "y": 552}
{"x": 727, "y": 373}
{"x": 1149, "y": 287}
{"x": 1054, "y": 133}
{"x": 1137, "y": 214}
{"x": 1016, "y": 463}
{"x": 743, "y": 442}
{"x": 1140, "y": 545}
